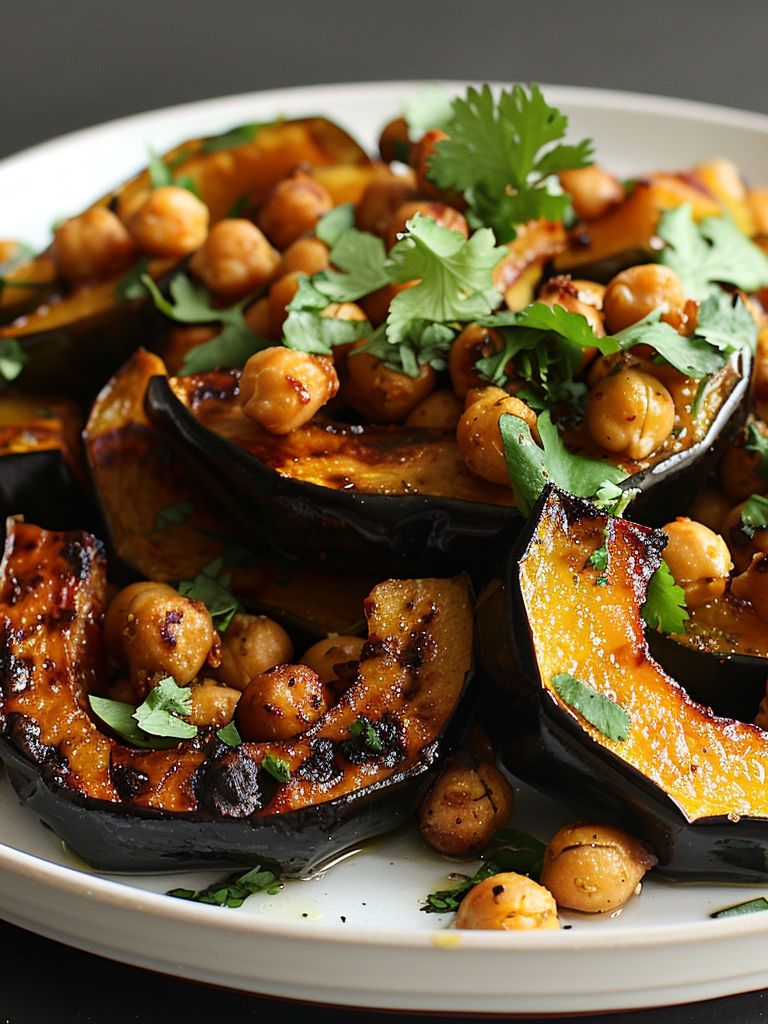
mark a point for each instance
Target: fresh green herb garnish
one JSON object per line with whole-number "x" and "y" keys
{"x": 233, "y": 890}
{"x": 239, "y": 136}
{"x": 710, "y": 252}
{"x": 121, "y": 718}
{"x": 431, "y": 107}
{"x": 756, "y": 441}
{"x": 664, "y": 607}
{"x": 213, "y": 588}
{"x": 363, "y": 729}
{"x": 229, "y": 735}
{"x": 160, "y": 713}
{"x": 306, "y": 331}
{"x": 192, "y": 305}
{"x": 599, "y": 559}
{"x": 754, "y": 515}
{"x": 531, "y": 468}
{"x": 606, "y": 715}
{"x": 13, "y": 358}
{"x": 174, "y": 515}
{"x": 360, "y": 261}
{"x": 503, "y": 157}
{"x": 277, "y": 767}
{"x": 332, "y": 226}
{"x": 132, "y": 286}
{"x": 22, "y": 254}
{"x": 748, "y": 907}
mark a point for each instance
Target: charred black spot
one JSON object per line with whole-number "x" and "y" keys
{"x": 320, "y": 767}
{"x": 172, "y": 618}
{"x": 388, "y": 747}
{"x": 375, "y": 647}
{"x": 76, "y": 554}
{"x": 16, "y": 674}
{"x": 127, "y": 780}
{"x": 24, "y": 734}
{"x": 228, "y": 783}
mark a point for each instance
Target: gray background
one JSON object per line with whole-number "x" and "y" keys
{"x": 67, "y": 64}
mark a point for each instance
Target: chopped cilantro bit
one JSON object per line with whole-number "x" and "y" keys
{"x": 307, "y": 331}
{"x": 120, "y": 718}
{"x": 431, "y": 107}
{"x": 333, "y": 225}
{"x": 503, "y": 158}
{"x": 748, "y": 907}
{"x": 599, "y": 559}
{"x": 233, "y": 890}
{"x": 277, "y": 767}
{"x": 213, "y": 589}
{"x": 13, "y": 358}
{"x": 160, "y": 174}
{"x": 239, "y": 136}
{"x": 606, "y": 715}
{"x": 757, "y": 441}
{"x": 160, "y": 713}
{"x": 228, "y": 734}
{"x": 174, "y": 515}
{"x": 754, "y": 515}
{"x": 664, "y": 607}
{"x": 132, "y": 286}
{"x": 712, "y": 251}
{"x": 363, "y": 729}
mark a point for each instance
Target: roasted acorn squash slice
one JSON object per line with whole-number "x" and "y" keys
{"x": 123, "y": 809}
{"x": 686, "y": 781}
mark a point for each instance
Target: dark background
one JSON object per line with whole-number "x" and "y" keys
{"x": 66, "y": 65}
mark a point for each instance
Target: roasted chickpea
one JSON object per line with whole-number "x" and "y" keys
{"x": 710, "y": 507}
{"x": 281, "y": 293}
{"x": 738, "y": 471}
{"x": 179, "y": 341}
{"x": 637, "y": 291}
{"x": 161, "y": 634}
{"x": 335, "y": 660}
{"x": 234, "y": 259}
{"x": 743, "y": 544}
{"x": 592, "y": 189}
{"x": 91, "y": 247}
{"x": 168, "y": 221}
{"x": 479, "y": 435}
{"x": 699, "y": 560}
{"x": 280, "y": 703}
{"x": 394, "y": 143}
{"x": 440, "y": 213}
{"x": 469, "y": 801}
{"x": 259, "y": 320}
{"x": 376, "y": 304}
{"x": 304, "y": 256}
{"x": 439, "y": 411}
{"x": 752, "y": 585}
{"x": 381, "y": 394}
{"x": 509, "y": 902}
{"x": 282, "y": 388}
{"x": 293, "y": 208}
{"x": 250, "y": 645}
{"x": 561, "y": 291}
{"x": 474, "y": 343}
{"x": 630, "y": 413}
{"x": 379, "y": 202}
{"x": 212, "y": 703}
{"x": 421, "y": 154}
{"x": 594, "y": 868}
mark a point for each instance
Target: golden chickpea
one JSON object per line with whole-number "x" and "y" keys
{"x": 469, "y": 801}
{"x": 281, "y": 294}
{"x": 699, "y": 560}
{"x": 170, "y": 221}
{"x": 280, "y": 703}
{"x": 335, "y": 660}
{"x": 258, "y": 318}
{"x": 421, "y": 154}
{"x": 91, "y": 247}
{"x": 250, "y": 645}
{"x": 394, "y": 143}
{"x": 594, "y": 868}
{"x": 752, "y": 585}
{"x": 282, "y": 388}
{"x": 440, "y": 213}
{"x": 479, "y": 435}
{"x": 212, "y": 704}
{"x": 234, "y": 259}
{"x": 441, "y": 410}
{"x": 509, "y": 902}
{"x": 381, "y": 394}
{"x": 378, "y": 204}
{"x": 637, "y": 291}
{"x": 742, "y": 546}
{"x": 592, "y": 189}
{"x": 474, "y": 343}
{"x": 630, "y": 413}
{"x": 293, "y": 208}
{"x": 161, "y": 634}
{"x": 304, "y": 256}
{"x": 710, "y": 507}
{"x": 561, "y": 291}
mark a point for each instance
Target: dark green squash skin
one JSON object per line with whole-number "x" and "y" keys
{"x": 387, "y": 534}
{"x": 546, "y": 747}
{"x": 41, "y": 486}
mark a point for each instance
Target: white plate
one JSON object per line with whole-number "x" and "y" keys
{"x": 355, "y": 936}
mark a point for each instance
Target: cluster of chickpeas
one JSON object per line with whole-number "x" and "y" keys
{"x": 248, "y": 674}
{"x": 589, "y": 868}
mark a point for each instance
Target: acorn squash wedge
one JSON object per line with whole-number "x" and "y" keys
{"x": 123, "y": 809}
{"x": 686, "y": 781}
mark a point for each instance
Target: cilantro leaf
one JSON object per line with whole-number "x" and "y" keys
{"x": 13, "y": 358}
{"x": 664, "y": 607}
{"x": 160, "y": 713}
{"x": 713, "y": 251}
{"x": 212, "y": 588}
{"x": 308, "y": 331}
{"x": 725, "y": 322}
{"x": 606, "y": 715}
{"x": 277, "y": 767}
{"x": 233, "y": 890}
{"x": 359, "y": 258}
{"x": 693, "y": 356}
{"x": 239, "y": 136}
{"x": 363, "y": 729}
{"x": 175, "y": 514}
{"x": 754, "y": 515}
{"x": 756, "y": 441}
{"x": 431, "y": 107}
{"x": 454, "y": 275}
{"x": 503, "y": 158}
{"x": 120, "y": 717}
{"x": 228, "y": 734}
{"x": 333, "y": 224}
{"x": 132, "y": 286}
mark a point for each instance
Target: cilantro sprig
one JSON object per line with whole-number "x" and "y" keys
{"x": 233, "y": 890}
{"x": 212, "y": 587}
{"x": 504, "y": 157}
{"x": 754, "y": 514}
{"x": 156, "y": 723}
{"x": 664, "y": 608}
